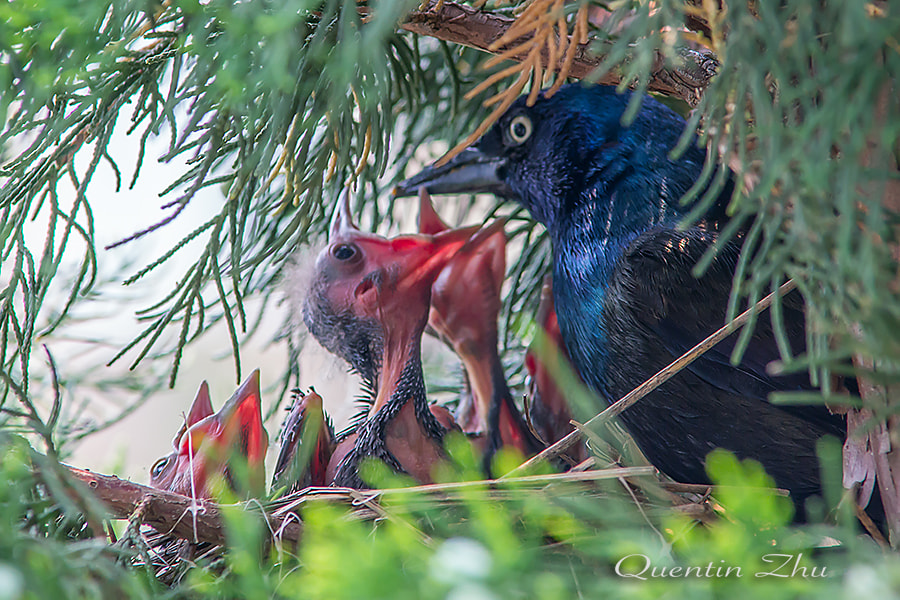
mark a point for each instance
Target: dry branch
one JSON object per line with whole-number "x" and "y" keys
{"x": 167, "y": 512}
{"x": 871, "y": 450}
{"x": 471, "y": 27}
{"x": 172, "y": 514}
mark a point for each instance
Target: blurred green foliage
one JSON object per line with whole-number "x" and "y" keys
{"x": 555, "y": 541}
{"x": 46, "y": 547}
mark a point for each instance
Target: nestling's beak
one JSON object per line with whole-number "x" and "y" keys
{"x": 241, "y": 417}
{"x": 200, "y": 409}
{"x": 417, "y": 260}
{"x": 471, "y": 171}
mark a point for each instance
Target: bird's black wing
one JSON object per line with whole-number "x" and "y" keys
{"x": 677, "y": 311}
{"x": 655, "y": 310}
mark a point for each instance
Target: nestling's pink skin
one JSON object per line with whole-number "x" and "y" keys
{"x": 369, "y": 304}
{"x": 208, "y": 441}
{"x": 383, "y": 279}
{"x": 341, "y": 450}
{"x": 306, "y": 423}
{"x": 549, "y": 411}
{"x": 465, "y": 308}
{"x": 465, "y": 305}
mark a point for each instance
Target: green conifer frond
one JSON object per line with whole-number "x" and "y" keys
{"x": 281, "y": 107}
{"x": 276, "y": 106}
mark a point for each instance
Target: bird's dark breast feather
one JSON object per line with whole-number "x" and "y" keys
{"x": 656, "y": 310}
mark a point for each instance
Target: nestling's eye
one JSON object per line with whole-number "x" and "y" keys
{"x": 520, "y": 129}
{"x": 158, "y": 467}
{"x": 344, "y": 251}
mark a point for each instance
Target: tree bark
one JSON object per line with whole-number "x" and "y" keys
{"x": 180, "y": 516}
{"x": 877, "y": 448}
{"x": 474, "y": 28}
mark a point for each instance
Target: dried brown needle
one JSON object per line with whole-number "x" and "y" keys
{"x": 541, "y": 45}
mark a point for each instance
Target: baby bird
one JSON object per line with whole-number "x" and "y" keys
{"x": 465, "y": 307}
{"x": 208, "y": 442}
{"x": 368, "y": 303}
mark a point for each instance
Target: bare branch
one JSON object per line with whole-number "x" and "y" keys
{"x": 471, "y": 27}
{"x": 878, "y": 443}
{"x": 171, "y": 513}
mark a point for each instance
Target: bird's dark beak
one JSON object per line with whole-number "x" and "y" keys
{"x": 471, "y": 171}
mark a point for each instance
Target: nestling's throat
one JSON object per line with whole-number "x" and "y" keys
{"x": 415, "y": 450}
{"x": 410, "y": 431}
{"x": 400, "y": 355}
{"x": 478, "y": 368}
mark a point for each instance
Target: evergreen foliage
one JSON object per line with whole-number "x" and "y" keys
{"x": 278, "y": 104}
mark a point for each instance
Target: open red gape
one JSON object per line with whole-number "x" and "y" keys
{"x": 465, "y": 307}
{"x": 208, "y": 441}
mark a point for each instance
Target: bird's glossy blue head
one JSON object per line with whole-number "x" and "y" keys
{"x": 570, "y": 157}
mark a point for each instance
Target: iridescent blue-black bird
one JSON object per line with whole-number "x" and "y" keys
{"x": 627, "y": 301}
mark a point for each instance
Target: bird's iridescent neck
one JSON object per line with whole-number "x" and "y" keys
{"x": 586, "y": 250}
{"x": 589, "y": 240}
{"x": 580, "y": 274}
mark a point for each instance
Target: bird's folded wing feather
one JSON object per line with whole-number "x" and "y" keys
{"x": 679, "y": 310}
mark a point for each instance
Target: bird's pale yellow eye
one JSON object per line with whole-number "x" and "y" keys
{"x": 520, "y": 129}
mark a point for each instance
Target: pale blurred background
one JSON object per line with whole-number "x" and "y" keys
{"x": 107, "y": 321}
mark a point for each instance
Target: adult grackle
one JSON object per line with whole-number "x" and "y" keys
{"x": 625, "y": 294}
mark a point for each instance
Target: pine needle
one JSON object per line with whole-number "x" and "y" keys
{"x": 541, "y": 36}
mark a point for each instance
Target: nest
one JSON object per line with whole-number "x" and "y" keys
{"x": 174, "y": 533}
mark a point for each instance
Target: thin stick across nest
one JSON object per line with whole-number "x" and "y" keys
{"x": 199, "y": 521}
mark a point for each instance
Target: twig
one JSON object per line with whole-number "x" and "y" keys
{"x": 704, "y": 489}
{"x": 870, "y": 525}
{"x": 637, "y": 503}
{"x": 584, "y": 465}
{"x": 290, "y": 503}
{"x": 164, "y": 510}
{"x": 655, "y": 381}
{"x": 879, "y": 397}
{"x": 369, "y": 500}
{"x": 597, "y": 475}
